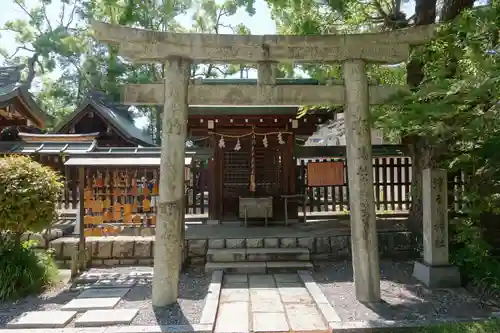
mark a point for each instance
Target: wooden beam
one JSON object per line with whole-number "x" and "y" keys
{"x": 290, "y": 95}
{"x": 153, "y": 46}
{"x": 340, "y": 151}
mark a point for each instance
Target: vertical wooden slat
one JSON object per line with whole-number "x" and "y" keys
{"x": 343, "y": 190}
{"x": 194, "y": 186}
{"x": 376, "y": 179}
{"x": 392, "y": 181}
{"x": 202, "y": 186}
{"x": 399, "y": 182}
{"x": 407, "y": 181}
{"x": 81, "y": 212}
{"x": 384, "y": 184}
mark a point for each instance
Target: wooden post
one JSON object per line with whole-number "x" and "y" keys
{"x": 82, "y": 257}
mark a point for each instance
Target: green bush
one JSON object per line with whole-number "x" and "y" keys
{"x": 28, "y": 195}
{"x": 24, "y": 270}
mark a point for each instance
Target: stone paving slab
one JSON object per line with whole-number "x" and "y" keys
{"x": 295, "y": 294}
{"x": 106, "y": 317}
{"x": 286, "y": 278}
{"x": 104, "y": 293}
{"x": 235, "y": 278}
{"x": 161, "y": 329}
{"x": 270, "y": 322}
{"x": 234, "y": 295}
{"x": 57, "y": 330}
{"x": 84, "y": 304}
{"x": 209, "y": 312}
{"x": 304, "y": 317}
{"x": 122, "y": 283}
{"x": 261, "y": 281}
{"x": 42, "y": 319}
{"x": 232, "y": 317}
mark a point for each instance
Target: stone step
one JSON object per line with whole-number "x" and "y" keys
{"x": 258, "y": 267}
{"x": 258, "y": 254}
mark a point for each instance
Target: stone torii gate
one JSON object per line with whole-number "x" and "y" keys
{"x": 178, "y": 51}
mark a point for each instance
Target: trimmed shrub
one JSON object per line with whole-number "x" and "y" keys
{"x": 28, "y": 195}
{"x": 23, "y": 270}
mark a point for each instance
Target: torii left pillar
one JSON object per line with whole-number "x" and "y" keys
{"x": 169, "y": 238}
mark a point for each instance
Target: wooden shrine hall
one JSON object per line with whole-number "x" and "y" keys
{"x": 17, "y": 106}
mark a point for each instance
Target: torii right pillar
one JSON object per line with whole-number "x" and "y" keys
{"x": 365, "y": 256}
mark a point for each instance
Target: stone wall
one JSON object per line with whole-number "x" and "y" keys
{"x": 137, "y": 250}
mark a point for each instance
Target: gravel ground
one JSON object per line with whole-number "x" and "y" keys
{"x": 403, "y": 297}
{"x": 192, "y": 291}
{"x": 51, "y": 299}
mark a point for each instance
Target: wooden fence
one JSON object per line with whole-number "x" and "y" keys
{"x": 391, "y": 181}
{"x": 196, "y": 188}
{"x": 392, "y": 178}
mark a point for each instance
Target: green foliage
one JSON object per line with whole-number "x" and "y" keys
{"x": 24, "y": 270}
{"x": 28, "y": 195}
{"x": 476, "y": 327}
{"x": 456, "y": 110}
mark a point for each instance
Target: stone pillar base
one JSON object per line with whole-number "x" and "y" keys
{"x": 437, "y": 276}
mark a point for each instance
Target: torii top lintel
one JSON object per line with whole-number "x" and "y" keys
{"x": 144, "y": 46}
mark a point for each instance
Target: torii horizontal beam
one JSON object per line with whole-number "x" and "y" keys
{"x": 143, "y": 45}
{"x": 292, "y": 95}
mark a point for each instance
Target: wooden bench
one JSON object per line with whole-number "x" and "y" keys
{"x": 256, "y": 208}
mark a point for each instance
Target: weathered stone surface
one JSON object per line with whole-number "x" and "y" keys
{"x": 235, "y": 278}
{"x": 169, "y": 237}
{"x": 340, "y": 245}
{"x": 304, "y": 317}
{"x": 234, "y": 295}
{"x": 232, "y": 317}
{"x": 235, "y": 243}
{"x": 254, "y": 95}
{"x": 42, "y": 319}
{"x": 254, "y": 242}
{"x": 270, "y": 322}
{"x": 306, "y": 242}
{"x": 237, "y": 267}
{"x": 288, "y": 242}
{"x": 271, "y": 242}
{"x": 143, "y": 249}
{"x": 103, "y": 248}
{"x": 197, "y": 247}
{"x": 286, "y": 278}
{"x": 149, "y": 46}
{"x": 69, "y": 248}
{"x": 226, "y": 255}
{"x": 84, "y": 304}
{"x": 277, "y": 254}
{"x": 435, "y": 219}
{"x": 106, "y": 317}
{"x": 216, "y": 243}
{"x": 104, "y": 293}
{"x": 323, "y": 245}
{"x": 360, "y": 179}
{"x": 263, "y": 282}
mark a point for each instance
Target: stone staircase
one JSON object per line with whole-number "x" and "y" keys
{"x": 258, "y": 260}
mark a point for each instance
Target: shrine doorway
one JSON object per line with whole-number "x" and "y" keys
{"x": 238, "y": 166}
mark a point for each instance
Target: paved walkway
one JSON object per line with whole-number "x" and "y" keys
{"x": 267, "y": 303}
{"x": 236, "y": 303}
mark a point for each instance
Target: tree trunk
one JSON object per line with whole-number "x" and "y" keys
{"x": 419, "y": 149}
{"x": 425, "y": 13}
